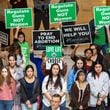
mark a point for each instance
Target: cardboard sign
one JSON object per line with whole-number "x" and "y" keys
{"x": 62, "y": 12}
{"x": 21, "y": 17}
{"x": 41, "y": 38}
{"x": 102, "y": 15}
{"x": 76, "y": 34}
{"x": 53, "y": 51}
{"x": 3, "y": 38}
{"x": 50, "y": 61}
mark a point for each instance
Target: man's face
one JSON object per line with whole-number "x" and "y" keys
{"x": 55, "y": 103}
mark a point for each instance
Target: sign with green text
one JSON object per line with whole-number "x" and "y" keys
{"x": 102, "y": 15}
{"x": 53, "y": 51}
{"x": 21, "y": 17}
{"x": 62, "y": 12}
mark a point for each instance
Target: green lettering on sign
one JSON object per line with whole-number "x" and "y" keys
{"x": 21, "y": 17}
{"x": 102, "y": 15}
{"x": 53, "y": 51}
{"x": 62, "y": 12}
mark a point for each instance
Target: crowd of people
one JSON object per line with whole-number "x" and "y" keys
{"x": 23, "y": 88}
{"x": 87, "y": 83}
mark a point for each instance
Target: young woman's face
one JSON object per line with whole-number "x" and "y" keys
{"x": 79, "y": 64}
{"x": 12, "y": 61}
{"x": 98, "y": 68}
{"x": 21, "y": 38}
{"x": 29, "y": 73}
{"x": 88, "y": 54}
{"x": 17, "y": 51}
{"x": 81, "y": 77}
{"x": 55, "y": 70}
{"x": 4, "y": 72}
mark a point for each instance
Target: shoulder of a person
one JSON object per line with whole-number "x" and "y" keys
{"x": 26, "y": 43}
{"x": 46, "y": 77}
{"x": 37, "y": 79}
{"x": 71, "y": 70}
{"x": 62, "y": 79}
{"x": 89, "y": 74}
{"x": 19, "y": 68}
{"x": 22, "y": 80}
{"x": 105, "y": 74}
{"x": 13, "y": 81}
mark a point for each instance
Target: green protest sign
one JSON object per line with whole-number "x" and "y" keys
{"x": 21, "y": 17}
{"x": 62, "y": 12}
{"x": 102, "y": 15}
{"x": 53, "y": 51}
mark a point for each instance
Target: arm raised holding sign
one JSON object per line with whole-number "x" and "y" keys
{"x": 25, "y": 49}
{"x": 73, "y": 54}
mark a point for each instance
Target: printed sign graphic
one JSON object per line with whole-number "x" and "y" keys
{"x": 102, "y": 15}
{"x": 41, "y": 39}
{"x": 62, "y": 12}
{"x": 76, "y": 34}
{"x": 21, "y": 17}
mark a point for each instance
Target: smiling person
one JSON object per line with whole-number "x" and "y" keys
{"x": 29, "y": 89}
{"x": 7, "y": 89}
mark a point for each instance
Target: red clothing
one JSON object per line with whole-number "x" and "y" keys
{"x": 6, "y": 92}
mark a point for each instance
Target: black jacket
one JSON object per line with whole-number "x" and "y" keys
{"x": 24, "y": 92}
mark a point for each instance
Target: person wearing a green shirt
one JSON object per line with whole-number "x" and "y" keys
{"x": 99, "y": 36}
{"x": 25, "y": 50}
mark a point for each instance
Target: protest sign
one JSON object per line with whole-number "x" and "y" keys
{"x": 43, "y": 38}
{"x": 76, "y": 34}
{"x": 53, "y": 51}
{"x": 50, "y": 61}
{"x": 4, "y": 38}
{"x": 62, "y": 12}
{"x": 102, "y": 15}
{"x": 21, "y": 17}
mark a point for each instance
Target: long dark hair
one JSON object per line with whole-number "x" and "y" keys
{"x": 58, "y": 80}
{"x": 97, "y": 48}
{"x": 15, "y": 46}
{"x": 93, "y": 68}
{"x": 9, "y": 76}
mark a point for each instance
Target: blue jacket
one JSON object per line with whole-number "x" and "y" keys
{"x": 71, "y": 79}
{"x": 37, "y": 61}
